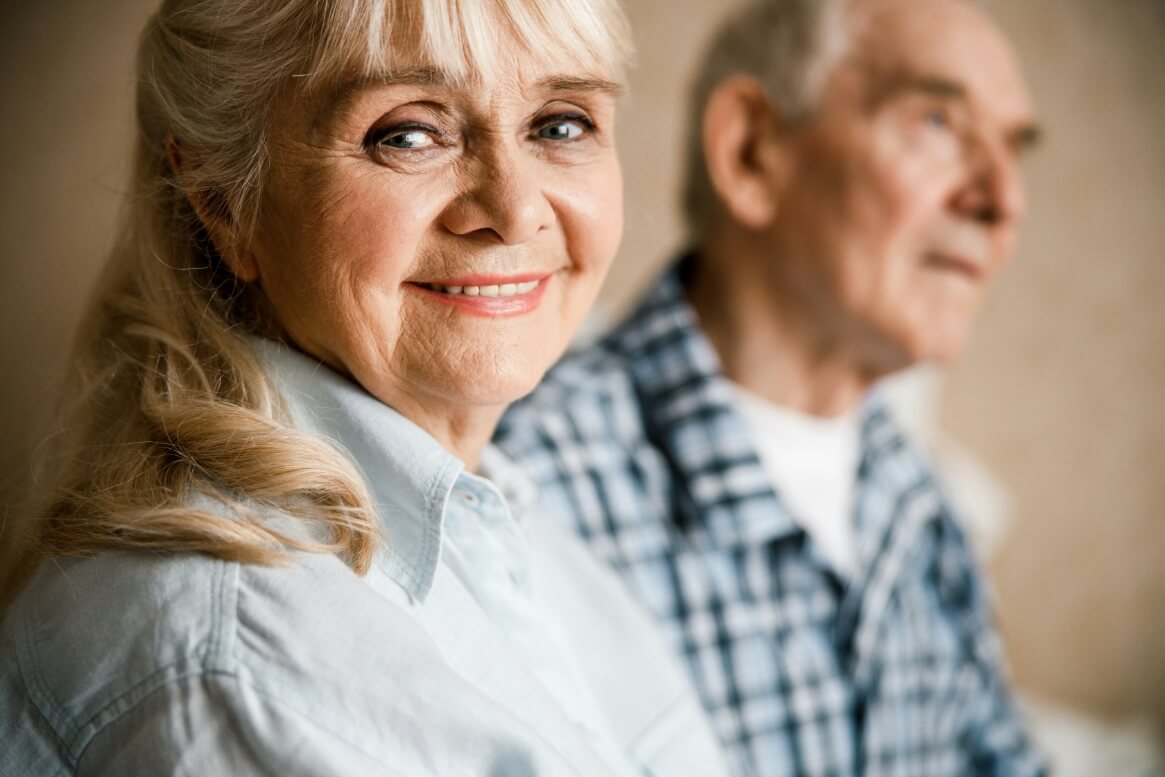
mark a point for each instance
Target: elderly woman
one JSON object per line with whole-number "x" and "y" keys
{"x": 278, "y": 542}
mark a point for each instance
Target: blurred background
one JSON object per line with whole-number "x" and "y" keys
{"x": 1051, "y": 430}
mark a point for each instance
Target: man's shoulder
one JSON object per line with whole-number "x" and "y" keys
{"x": 599, "y": 369}
{"x": 607, "y": 374}
{"x": 586, "y": 392}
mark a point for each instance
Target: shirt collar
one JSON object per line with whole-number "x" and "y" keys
{"x": 688, "y": 407}
{"x": 410, "y": 474}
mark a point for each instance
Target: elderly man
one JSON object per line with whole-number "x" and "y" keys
{"x": 853, "y": 187}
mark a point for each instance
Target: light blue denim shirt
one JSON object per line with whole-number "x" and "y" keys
{"x": 479, "y": 643}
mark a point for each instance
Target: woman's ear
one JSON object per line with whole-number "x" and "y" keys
{"x": 743, "y": 152}
{"x": 215, "y": 217}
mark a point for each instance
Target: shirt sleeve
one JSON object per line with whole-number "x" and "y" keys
{"x": 216, "y": 724}
{"x": 219, "y": 724}
{"x": 996, "y": 735}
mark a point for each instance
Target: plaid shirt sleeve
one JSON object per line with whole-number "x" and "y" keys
{"x": 995, "y": 737}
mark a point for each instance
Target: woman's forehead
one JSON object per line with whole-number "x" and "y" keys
{"x": 483, "y": 41}
{"x": 520, "y": 68}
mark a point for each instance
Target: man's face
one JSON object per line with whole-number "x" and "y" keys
{"x": 904, "y": 194}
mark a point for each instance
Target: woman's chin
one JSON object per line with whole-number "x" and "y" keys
{"x": 498, "y": 390}
{"x": 495, "y": 375}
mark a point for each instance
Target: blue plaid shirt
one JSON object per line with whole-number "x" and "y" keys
{"x": 896, "y": 672}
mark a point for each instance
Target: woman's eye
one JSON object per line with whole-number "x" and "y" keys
{"x": 407, "y": 139}
{"x": 564, "y": 129}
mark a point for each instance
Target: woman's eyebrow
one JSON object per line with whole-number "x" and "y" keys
{"x": 413, "y": 76}
{"x": 562, "y": 83}
{"x": 340, "y": 97}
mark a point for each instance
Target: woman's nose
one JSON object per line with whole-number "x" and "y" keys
{"x": 504, "y": 196}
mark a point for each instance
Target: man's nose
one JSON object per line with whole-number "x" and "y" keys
{"x": 993, "y": 192}
{"x": 502, "y": 196}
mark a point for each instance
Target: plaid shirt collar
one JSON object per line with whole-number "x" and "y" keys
{"x": 689, "y": 411}
{"x": 684, "y": 395}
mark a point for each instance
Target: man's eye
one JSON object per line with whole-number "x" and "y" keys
{"x": 937, "y": 119}
{"x": 407, "y": 138}
{"x": 565, "y": 128}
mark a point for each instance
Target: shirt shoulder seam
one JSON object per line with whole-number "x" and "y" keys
{"x": 212, "y": 656}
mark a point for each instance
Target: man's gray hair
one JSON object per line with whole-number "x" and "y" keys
{"x": 790, "y": 47}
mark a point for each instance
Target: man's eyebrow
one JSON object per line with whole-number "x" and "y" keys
{"x": 1025, "y": 138}
{"x": 919, "y": 83}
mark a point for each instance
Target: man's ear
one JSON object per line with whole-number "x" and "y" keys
{"x": 216, "y": 218}
{"x": 742, "y": 150}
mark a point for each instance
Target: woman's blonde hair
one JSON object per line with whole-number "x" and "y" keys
{"x": 166, "y": 398}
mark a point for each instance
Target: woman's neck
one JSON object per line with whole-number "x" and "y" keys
{"x": 463, "y": 431}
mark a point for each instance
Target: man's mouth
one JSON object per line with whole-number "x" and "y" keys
{"x": 961, "y": 265}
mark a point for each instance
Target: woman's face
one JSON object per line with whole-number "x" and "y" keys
{"x": 440, "y": 242}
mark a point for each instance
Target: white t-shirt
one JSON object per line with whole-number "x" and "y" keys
{"x": 812, "y": 463}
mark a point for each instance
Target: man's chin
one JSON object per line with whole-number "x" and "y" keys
{"x": 940, "y": 347}
{"x": 939, "y": 343}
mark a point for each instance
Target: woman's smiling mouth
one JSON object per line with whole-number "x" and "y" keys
{"x": 487, "y": 296}
{"x": 488, "y": 290}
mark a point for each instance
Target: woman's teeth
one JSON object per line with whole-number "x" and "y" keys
{"x": 498, "y": 290}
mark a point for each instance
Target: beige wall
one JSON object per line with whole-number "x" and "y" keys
{"x": 1057, "y": 394}
{"x": 1062, "y": 391}
{"x": 66, "y": 86}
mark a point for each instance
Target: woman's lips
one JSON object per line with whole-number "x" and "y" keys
{"x": 489, "y": 296}
{"x": 486, "y": 290}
